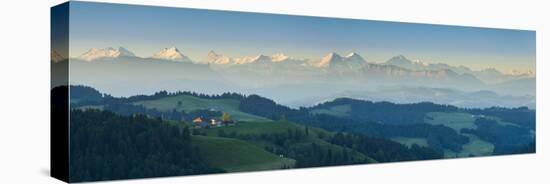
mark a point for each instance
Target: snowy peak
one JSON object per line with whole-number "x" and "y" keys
{"x": 353, "y": 55}
{"x": 110, "y": 52}
{"x": 279, "y": 57}
{"x": 219, "y": 59}
{"x": 261, "y": 59}
{"x": 350, "y": 61}
{"x": 329, "y": 59}
{"x": 125, "y": 52}
{"x": 400, "y": 61}
{"x": 212, "y": 56}
{"x": 332, "y": 57}
{"x": 171, "y": 54}
{"x": 404, "y": 62}
{"x": 250, "y": 59}
{"x": 355, "y": 58}
{"x": 243, "y": 60}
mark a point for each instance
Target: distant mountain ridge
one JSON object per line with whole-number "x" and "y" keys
{"x": 335, "y": 61}
{"x": 292, "y": 81}
{"x": 488, "y": 75}
{"x": 110, "y": 52}
{"x": 172, "y": 54}
{"x": 403, "y": 95}
{"x": 215, "y": 58}
{"x": 351, "y": 61}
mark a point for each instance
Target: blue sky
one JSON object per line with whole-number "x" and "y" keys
{"x": 145, "y": 30}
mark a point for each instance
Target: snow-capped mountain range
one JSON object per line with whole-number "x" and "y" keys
{"x": 488, "y": 75}
{"x": 170, "y": 54}
{"x": 397, "y": 66}
{"x": 289, "y": 80}
{"x": 110, "y": 52}
{"x": 214, "y": 58}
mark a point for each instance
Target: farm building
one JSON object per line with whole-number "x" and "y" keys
{"x": 215, "y": 123}
{"x": 199, "y": 122}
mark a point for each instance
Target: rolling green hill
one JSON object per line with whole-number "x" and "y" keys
{"x": 251, "y": 129}
{"x": 458, "y": 121}
{"x": 235, "y": 155}
{"x": 454, "y": 120}
{"x": 191, "y": 103}
{"x": 339, "y": 132}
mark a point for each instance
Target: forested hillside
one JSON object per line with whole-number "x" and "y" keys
{"x": 181, "y": 133}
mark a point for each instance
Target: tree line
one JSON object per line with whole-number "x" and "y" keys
{"x": 106, "y": 146}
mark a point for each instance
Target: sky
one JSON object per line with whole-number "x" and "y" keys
{"x": 144, "y": 30}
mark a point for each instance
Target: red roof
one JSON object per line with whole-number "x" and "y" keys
{"x": 197, "y": 120}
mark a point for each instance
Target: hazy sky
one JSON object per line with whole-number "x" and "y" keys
{"x": 144, "y": 30}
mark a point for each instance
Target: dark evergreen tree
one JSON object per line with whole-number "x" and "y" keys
{"x": 105, "y": 146}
